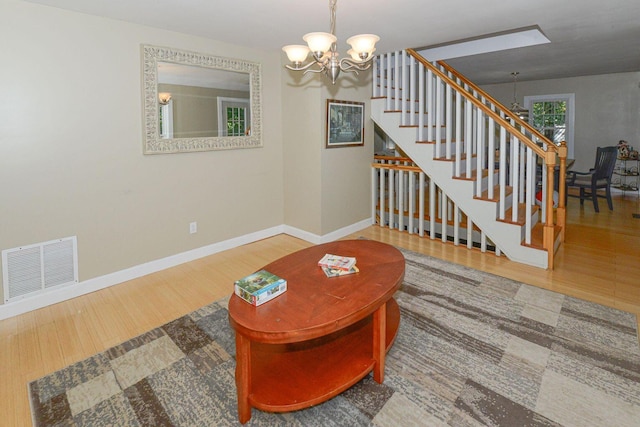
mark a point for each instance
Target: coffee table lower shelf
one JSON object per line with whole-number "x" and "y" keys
{"x": 288, "y": 377}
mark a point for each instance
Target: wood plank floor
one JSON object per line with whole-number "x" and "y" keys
{"x": 600, "y": 262}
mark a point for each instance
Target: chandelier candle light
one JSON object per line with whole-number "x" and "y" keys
{"x": 325, "y": 54}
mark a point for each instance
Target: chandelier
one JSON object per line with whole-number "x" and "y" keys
{"x": 325, "y": 54}
{"x": 516, "y": 109}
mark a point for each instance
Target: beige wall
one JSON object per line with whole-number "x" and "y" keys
{"x": 607, "y": 109}
{"x": 325, "y": 189}
{"x": 71, "y": 159}
{"x": 346, "y": 171}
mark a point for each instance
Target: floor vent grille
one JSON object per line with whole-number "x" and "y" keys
{"x": 35, "y": 268}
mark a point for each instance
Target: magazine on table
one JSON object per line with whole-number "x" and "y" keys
{"x": 337, "y": 262}
{"x": 335, "y": 272}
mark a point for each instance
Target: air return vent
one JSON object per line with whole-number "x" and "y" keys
{"x": 28, "y": 270}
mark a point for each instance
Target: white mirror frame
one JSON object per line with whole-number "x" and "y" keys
{"x": 153, "y": 144}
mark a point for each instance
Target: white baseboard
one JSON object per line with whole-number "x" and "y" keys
{"x": 54, "y": 296}
{"x": 334, "y": 235}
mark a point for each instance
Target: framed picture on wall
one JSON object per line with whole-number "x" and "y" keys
{"x": 345, "y": 123}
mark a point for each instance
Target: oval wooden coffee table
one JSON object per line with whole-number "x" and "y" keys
{"x": 323, "y": 334}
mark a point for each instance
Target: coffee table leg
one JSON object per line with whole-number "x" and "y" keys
{"x": 243, "y": 376}
{"x": 379, "y": 342}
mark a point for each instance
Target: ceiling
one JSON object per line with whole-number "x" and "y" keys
{"x": 587, "y": 36}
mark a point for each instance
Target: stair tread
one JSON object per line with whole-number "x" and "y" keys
{"x": 522, "y": 212}
{"x": 453, "y": 157}
{"x": 537, "y": 233}
{"x": 474, "y": 175}
{"x": 496, "y": 194}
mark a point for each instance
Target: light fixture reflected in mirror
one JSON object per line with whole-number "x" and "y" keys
{"x": 164, "y": 98}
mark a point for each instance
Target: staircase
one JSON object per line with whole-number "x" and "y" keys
{"x": 472, "y": 168}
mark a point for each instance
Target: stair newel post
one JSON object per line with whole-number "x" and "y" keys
{"x": 397, "y": 81}
{"x": 388, "y": 81}
{"x": 561, "y": 211}
{"x": 548, "y": 231}
{"x": 469, "y": 232}
{"x": 403, "y": 89}
{"x": 421, "y": 102}
{"x": 412, "y": 92}
{"x": 530, "y": 193}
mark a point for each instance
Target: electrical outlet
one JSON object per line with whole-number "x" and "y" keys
{"x": 193, "y": 227}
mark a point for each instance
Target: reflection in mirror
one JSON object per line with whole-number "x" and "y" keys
{"x": 196, "y": 102}
{"x": 205, "y": 102}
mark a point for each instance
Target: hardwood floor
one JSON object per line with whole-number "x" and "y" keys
{"x": 600, "y": 262}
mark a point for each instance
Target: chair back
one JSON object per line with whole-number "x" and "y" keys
{"x": 605, "y": 162}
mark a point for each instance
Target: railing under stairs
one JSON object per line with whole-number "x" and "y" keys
{"x": 406, "y": 199}
{"x": 483, "y": 164}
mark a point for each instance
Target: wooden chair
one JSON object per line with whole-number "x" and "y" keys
{"x": 598, "y": 177}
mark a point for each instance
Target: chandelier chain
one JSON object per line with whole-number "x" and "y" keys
{"x": 332, "y": 9}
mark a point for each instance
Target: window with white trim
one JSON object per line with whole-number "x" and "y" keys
{"x": 554, "y": 117}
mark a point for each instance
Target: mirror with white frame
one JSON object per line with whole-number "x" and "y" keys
{"x": 199, "y": 102}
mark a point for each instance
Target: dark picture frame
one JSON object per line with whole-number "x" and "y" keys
{"x": 345, "y": 123}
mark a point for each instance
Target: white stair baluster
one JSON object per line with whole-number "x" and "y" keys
{"x": 439, "y": 117}
{"x": 421, "y": 200}
{"x": 432, "y": 209}
{"x": 403, "y": 86}
{"x": 388, "y": 81}
{"x": 412, "y": 91}
{"x": 397, "y": 81}
{"x": 529, "y": 200}
{"x": 515, "y": 166}
{"x": 430, "y": 111}
{"x": 458, "y": 107}
{"x": 421, "y": 102}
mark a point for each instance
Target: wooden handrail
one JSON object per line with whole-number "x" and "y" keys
{"x": 394, "y": 158}
{"x": 488, "y": 111}
{"x": 395, "y": 167}
{"x": 492, "y": 100}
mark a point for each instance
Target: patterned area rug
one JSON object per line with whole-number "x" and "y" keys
{"x": 472, "y": 349}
